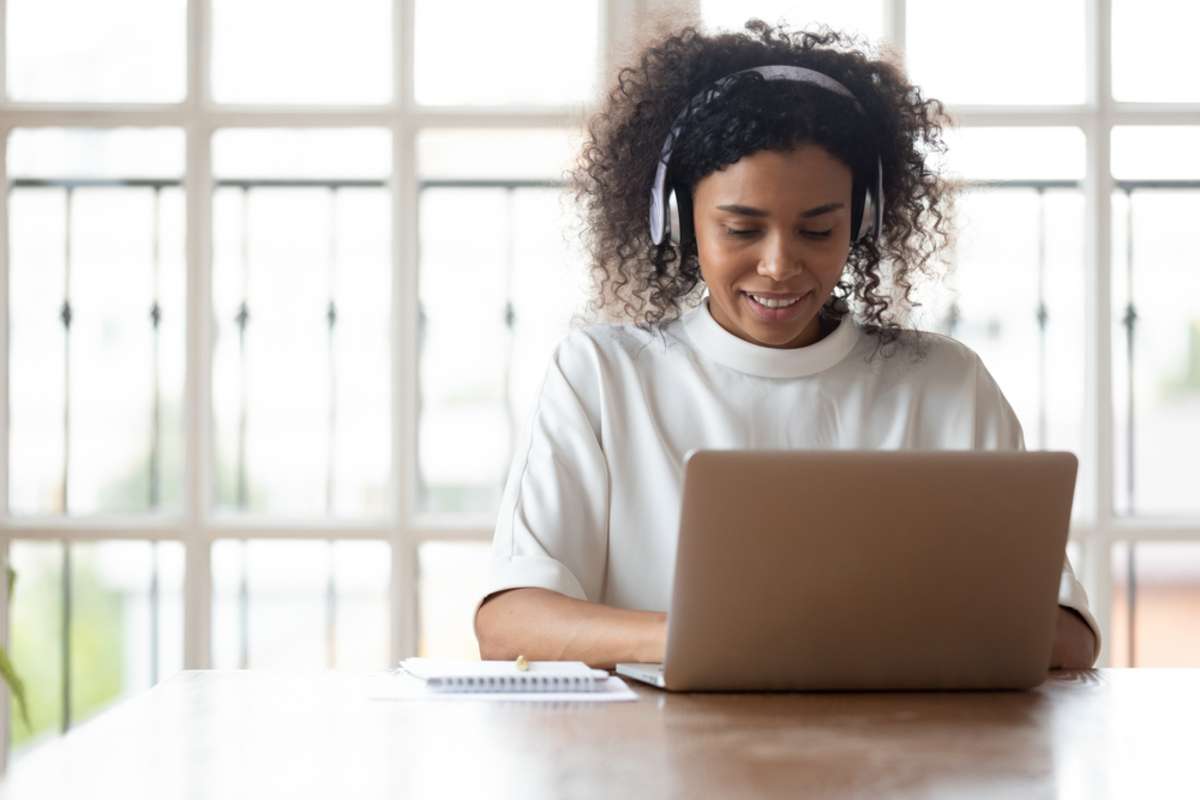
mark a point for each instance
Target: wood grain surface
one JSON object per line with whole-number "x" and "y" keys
{"x": 1093, "y": 734}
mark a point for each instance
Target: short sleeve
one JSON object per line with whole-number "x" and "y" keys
{"x": 997, "y": 428}
{"x": 1072, "y": 595}
{"x": 552, "y": 526}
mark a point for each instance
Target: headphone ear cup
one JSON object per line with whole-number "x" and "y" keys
{"x": 867, "y": 218}
{"x": 674, "y": 227}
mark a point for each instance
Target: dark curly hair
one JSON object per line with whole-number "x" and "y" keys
{"x": 648, "y": 284}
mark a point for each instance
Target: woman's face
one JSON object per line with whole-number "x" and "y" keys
{"x": 773, "y": 234}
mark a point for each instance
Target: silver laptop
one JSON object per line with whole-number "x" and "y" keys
{"x": 851, "y": 570}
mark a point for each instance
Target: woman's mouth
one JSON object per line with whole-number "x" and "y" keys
{"x": 775, "y": 307}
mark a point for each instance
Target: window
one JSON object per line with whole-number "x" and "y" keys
{"x": 1016, "y": 271}
{"x": 300, "y": 284}
{"x": 955, "y": 51}
{"x": 515, "y": 277}
{"x": 130, "y": 51}
{"x": 240, "y": 385}
{"x": 248, "y": 425}
{"x": 96, "y": 309}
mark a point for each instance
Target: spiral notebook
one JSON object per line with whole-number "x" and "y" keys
{"x": 443, "y": 675}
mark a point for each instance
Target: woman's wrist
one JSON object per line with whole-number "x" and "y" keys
{"x": 652, "y": 643}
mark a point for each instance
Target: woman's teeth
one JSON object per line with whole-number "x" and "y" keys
{"x": 770, "y": 302}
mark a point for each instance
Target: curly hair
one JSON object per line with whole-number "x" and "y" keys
{"x": 650, "y": 285}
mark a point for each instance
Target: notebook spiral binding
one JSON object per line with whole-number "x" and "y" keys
{"x": 519, "y": 683}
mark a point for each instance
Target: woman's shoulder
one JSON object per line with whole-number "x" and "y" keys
{"x": 942, "y": 365}
{"x": 614, "y": 343}
{"x": 924, "y": 354}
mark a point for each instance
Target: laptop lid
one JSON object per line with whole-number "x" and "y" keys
{"x": 867, "y": 570}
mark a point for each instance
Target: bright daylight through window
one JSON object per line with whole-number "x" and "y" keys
{"x": 283, "y": 280}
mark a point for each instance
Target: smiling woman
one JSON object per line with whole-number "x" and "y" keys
{"x": 772, "y": 231}
{"x": 751, "y": 283}
{"x": 873, "y": 126}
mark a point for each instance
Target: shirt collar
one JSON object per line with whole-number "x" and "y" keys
{"x": 720, "y": 345}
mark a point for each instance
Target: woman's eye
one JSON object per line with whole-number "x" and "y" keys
{"x": 745, "y": 233}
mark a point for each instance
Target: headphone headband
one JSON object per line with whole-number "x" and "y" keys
{"x": 659, "y": 224}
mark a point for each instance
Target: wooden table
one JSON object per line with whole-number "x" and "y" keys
{"x": 1096, "y": 734}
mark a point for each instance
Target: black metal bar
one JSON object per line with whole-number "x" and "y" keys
{"x": 1043, "y": 316}
{"x": 94, "y": 183}
{"x": 66, "y": 635}
{"x": 485, "y": 183}
{"x": 1142, "y": 185}
{"x": 301, "y": 183}
{"x": 220, "y": 183}
{"x": 241, "y": 320}
{"x": 153, "y": 487}
{"x": 1039, "y": 184}
{"x": 331, "y": 361}
{"x": 152, "y": 482}
{"x": 1130, "y": 321}
{"x": 65, "y": 316}
{"x": 953, "y": 319}
{"x": 331, "y": 608}
{"x": 1122, "y": 185}
{"x": 243, "y": 317}
{"x": 510, "y": 318}
{"x": 514, "y": 183}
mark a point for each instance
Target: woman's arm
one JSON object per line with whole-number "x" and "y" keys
{"x": 1074, "y": 642}
{"x": 544, "y": 625}
{"x": 547, "y": 626}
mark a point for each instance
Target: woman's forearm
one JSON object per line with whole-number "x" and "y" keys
{"x": 544, "y": 625}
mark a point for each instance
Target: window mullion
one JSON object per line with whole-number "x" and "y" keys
{"x": 618, "y": 26}
{"x": 402, "y": 635}
{"x": 3, "y": 100}
{"x": 197, "y": 406}
{"x": 403, "y": 16}
{"x": 1096, "y": 572}
{"x": 895, "y": 27}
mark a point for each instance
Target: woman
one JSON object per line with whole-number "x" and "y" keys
{"x": 766, "y": 314}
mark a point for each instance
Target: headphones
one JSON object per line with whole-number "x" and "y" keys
{"x": 664, "y": 203}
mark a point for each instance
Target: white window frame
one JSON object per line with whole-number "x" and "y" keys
{"x": 198, "y": 527}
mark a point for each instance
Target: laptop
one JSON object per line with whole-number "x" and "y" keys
{"x": 856, "y": 570}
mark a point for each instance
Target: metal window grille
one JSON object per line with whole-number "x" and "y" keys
{"x": 404, "y": 529}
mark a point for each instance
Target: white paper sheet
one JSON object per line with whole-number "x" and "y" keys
{"x": 399, "y": 686}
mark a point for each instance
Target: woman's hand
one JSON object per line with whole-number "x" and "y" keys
{"x": 547, "y": 626}
{"x": 1074, "y": 642}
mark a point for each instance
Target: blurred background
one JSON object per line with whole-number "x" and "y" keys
{"x": 281, "y": 280}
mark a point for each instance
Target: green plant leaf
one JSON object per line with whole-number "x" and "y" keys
{"x": 15, "y": 684}
{"x": 7, "y": 671}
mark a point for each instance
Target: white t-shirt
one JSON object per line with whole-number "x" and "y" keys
{"x": 591, "y": 507}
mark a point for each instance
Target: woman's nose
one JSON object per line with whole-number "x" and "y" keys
{"x": 781, "y": 259}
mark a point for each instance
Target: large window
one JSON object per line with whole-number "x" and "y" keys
{"x": 280, "y": 281}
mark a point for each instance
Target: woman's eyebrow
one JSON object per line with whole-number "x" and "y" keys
{"x": 751, "y": 211}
